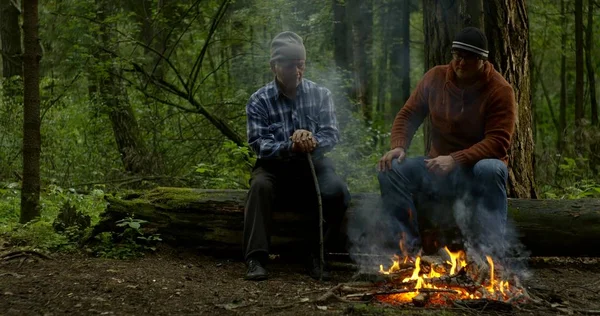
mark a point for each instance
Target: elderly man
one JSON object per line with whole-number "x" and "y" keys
{"x": 472, "y": 110}
{"x": 287, "y": 119}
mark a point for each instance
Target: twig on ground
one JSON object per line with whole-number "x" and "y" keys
{"x": 23, "y": 253}
{"x": 16, "y": 275}
{"x": 587, "y": 311}
{"x": 329, "y": 293}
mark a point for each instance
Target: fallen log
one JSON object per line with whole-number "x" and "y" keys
{"x": 213, "y": 219}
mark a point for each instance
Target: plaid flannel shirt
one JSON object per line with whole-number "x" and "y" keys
{"x": 272, "y": 118}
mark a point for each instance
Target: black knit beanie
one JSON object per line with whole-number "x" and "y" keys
{"x": 473, "y": 40}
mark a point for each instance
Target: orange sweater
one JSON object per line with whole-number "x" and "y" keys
{"x": 470, "y": 124}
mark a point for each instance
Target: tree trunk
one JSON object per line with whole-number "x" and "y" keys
{"x": 214, "y": 219}
{"x": 563, "y": 78}
{"x": 508, "y": 40}
{"x": 128, "y": 138}
{"x": 342, "y": 47}
{"x": 579, "y": 62}
{"x": 538, "y": 77}
{"x": 10, "y": 36}
{"x": 589, "y": 62}
{"x": 594, "y": 161}
{"x": 153, "y": 30}
{"x": 396, "y": 70}
{"x": 30, "y": 193}
{"x": 382, "y": 61}
{"x": 362, "y": 30}
{"x": 442, "y": 20}
{"x": 405, "y": 51}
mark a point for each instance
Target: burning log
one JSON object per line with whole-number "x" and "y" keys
{"x": 213, "y": 219}
{"x": 421, "y": 299}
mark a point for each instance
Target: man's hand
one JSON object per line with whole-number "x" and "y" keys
{"x": 385, "y": 163}
{"x": 302, "y": 141}
{"x": 441, "y": 165}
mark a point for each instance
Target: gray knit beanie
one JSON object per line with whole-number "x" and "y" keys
{"x": 287, "y": 45}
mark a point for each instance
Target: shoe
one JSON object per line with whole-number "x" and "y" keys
{"x": 313, "y": 268}
{"x": 255, "y": 271}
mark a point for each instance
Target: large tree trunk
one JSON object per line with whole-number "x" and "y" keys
{"x": 405, "y": 51}
{"x": 30, "y": 193}
{"x": 507, "y": 30}
{"x": 442, "y": 20}
{"x": 382, "y": 60}
{"x": 595, "y": 146}
{"x": 128, "y": 138}
{"x": 563, "y": 78}
{"x": 362, "y": 30}
{"x": 395, "y": 73}
{"x": 589, "y": 62}
{"x": 342, "y": 39}
{"x": 214, "y": 219}
{"x": 10, "y": 36}
{"x": 579, "y": 62}
{"x": 156, "y": 29}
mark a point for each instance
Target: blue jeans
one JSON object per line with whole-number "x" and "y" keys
{"x": 479, "y": 195}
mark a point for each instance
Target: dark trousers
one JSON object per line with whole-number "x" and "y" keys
{"x": 475, "y": 197}
{"x": 277, "y": 184}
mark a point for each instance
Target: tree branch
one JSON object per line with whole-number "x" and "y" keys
{"x": 133, "y": 40}
{"x": 179, "y": 38}
{"x": 198, "y": 63}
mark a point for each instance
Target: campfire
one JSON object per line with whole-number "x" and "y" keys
{"x": 427, "y": 281}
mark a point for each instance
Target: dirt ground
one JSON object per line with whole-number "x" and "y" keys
{"x": 172, "y": 282}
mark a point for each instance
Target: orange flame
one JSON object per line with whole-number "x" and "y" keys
{"x": 457, "y": 259}
{"x": 491, "y": 263}
{"x": 497, "y": 288}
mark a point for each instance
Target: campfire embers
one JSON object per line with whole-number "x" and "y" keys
{"x": 429, "y": 281}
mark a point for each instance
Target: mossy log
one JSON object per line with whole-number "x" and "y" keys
{"x": 213, "y": 219}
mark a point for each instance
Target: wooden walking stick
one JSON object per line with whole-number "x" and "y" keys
{"x": 322, "y": 251}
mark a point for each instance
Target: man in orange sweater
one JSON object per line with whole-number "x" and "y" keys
{"x": 473, "y": 111}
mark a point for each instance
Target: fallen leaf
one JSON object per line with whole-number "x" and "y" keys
{"x": 228, "y": 306}
{"x": 305, "y": 299}
{"x": 567, "y": 311}
{"x": 323, "y": 308}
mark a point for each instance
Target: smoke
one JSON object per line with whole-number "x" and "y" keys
{"x": 370, "y": 234}
{"x": 374, "y": 239}
{"x": 482, "y": 236}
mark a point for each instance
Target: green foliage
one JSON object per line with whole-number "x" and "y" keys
{"x": 572, "y": 183}
{"x": 231, "y": 171}
{"x": 132, "y": 242}
{"x": 41, "y": 234}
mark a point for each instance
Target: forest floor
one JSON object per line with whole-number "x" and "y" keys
{"x": 173, "y": 282}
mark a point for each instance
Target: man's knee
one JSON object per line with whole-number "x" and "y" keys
{"x": 261, "y": 183}
{"x": 490, "y": 170}
{"x": 335, "y": 189}
{"x": 409, "y": 170}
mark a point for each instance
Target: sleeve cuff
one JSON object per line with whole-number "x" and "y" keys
{"x": 460, "y": 157}
{"x": 398, "y": 143}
